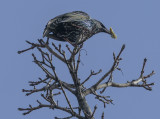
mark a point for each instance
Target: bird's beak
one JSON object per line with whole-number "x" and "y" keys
{"x": 113, "y": 35}
{"x": 46, "y": 32}
{"x": 110, "y": 31}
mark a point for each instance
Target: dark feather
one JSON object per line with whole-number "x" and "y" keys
{"x": 75, "y": 27}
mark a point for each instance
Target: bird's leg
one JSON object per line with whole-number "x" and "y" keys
{"x": 47, "y": 41}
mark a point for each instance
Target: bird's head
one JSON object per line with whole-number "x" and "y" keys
{"x": 46, "y": 32}
{"x": 102, "y": 28}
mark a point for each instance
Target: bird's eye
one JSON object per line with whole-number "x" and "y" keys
{"x": 102, "y": 25}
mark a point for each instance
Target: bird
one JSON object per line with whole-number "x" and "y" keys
{"x": 74, "y": 27}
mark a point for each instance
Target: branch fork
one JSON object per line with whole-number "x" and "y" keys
{"x": 51, "y": 82}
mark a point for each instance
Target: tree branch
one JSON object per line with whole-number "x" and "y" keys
{"x": 52, "y": 81}
{"x": 112, "y": 68}
{"x": 91, "y": 74}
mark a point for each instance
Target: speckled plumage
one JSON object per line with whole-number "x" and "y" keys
{"x": 75, "y": 27}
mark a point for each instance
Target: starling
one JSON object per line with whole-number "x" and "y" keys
{"x": 74, "y": 27}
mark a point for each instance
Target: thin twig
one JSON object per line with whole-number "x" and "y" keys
{"x": 52, "y": 52}
{"x": 91, "y": 74}
{"x": 33, "y": 45}
{"x": 142, "y": 71}
{"x": 78, "y": 61}
{"x": 63, "y": 91}
{"x": 95, "y": 108}
{"x": 102, "y": 117}
{"x": 112, "y": 68}
{"x": 66, "y": 97}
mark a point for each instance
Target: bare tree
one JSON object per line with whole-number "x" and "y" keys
{"x": 53, "y": 82}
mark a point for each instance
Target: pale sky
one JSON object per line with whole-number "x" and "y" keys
{"x": 136, "y": 24}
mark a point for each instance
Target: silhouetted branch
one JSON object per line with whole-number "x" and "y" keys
{"x": 65, "y": 96}
{"x": 53, "y": 83}
{"x": 78, "y": 61}
{"x": 102, "y": 117}
{"x": 133, "y": 83}
{"x": 51, "y": 51}
{"x": 95, "y": 108}
{"x": 103, "y": 99}
{"x": 33, "y": 45}
{"x": 33, "y": 83}
{"x": 91, "y": 74}
{"x": 113, "y": 66}
{"x": 64, "y": 117}
{"x": 30, "y": 109}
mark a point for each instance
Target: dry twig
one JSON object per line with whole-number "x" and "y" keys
{"x": 53, "y": 82}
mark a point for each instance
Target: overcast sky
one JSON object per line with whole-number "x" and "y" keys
{"x": 136, "y": 24}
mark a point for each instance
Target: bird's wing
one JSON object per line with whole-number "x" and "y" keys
{"x": 75, "y": 16}
{"x": 73, "y": 30}
{"x": 69, "y": 17}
